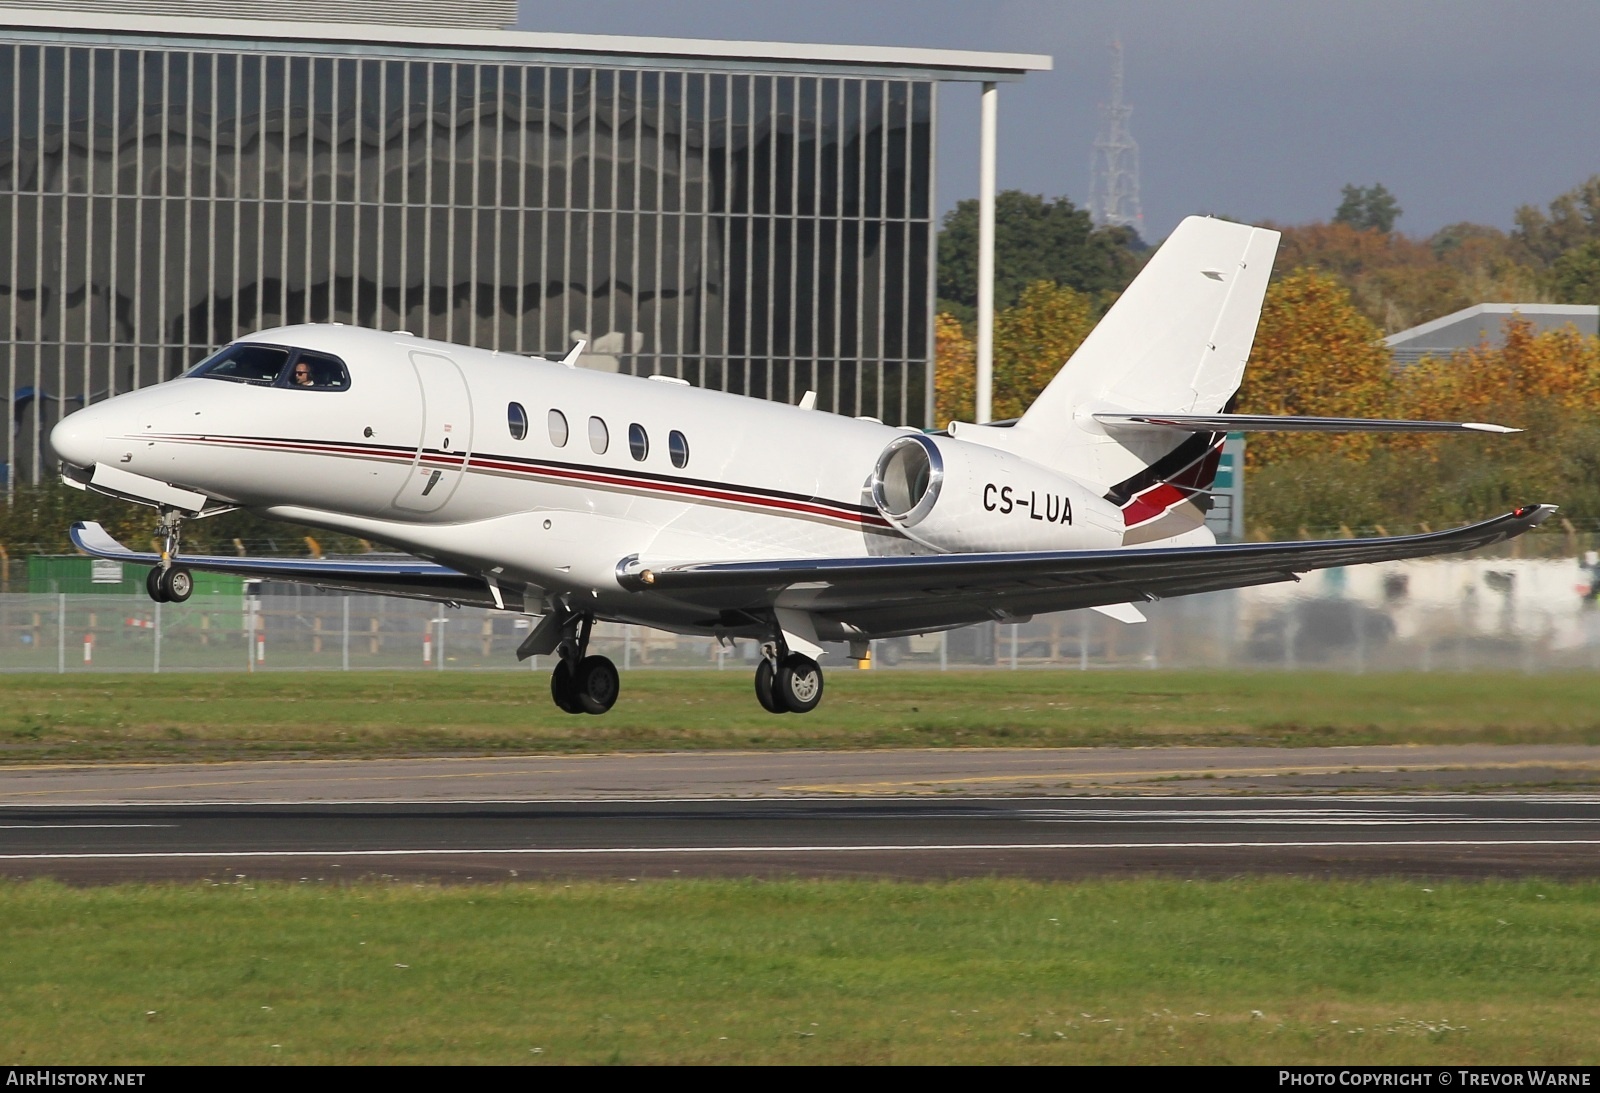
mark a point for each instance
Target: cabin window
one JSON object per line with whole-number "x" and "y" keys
{"x": 638, "y": 442}
{"x": 599, "y": 436}
{"x": 678, "y": 449}
{"x": 244, "y": 362}
{"x": 318, "y": 371}
{"x": 517, "y": 420}
{"x": 558, "y": 428}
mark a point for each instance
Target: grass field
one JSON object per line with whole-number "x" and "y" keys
{"x": 1260, "y": 971}
{"x": 200, "y": 716}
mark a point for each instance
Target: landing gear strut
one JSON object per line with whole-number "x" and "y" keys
{"x": 581, "y": 683}
{"x": 787, "y": 682}
{"x": 170, "y": 582}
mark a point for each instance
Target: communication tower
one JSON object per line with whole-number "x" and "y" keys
{"x": 1114, "y": 166}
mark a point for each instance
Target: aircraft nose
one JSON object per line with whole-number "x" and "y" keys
{"x": 72, "y": 442}
{"x": 81, "y": 438}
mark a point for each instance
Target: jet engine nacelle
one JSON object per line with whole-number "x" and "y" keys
{"x": 957, "y": 497}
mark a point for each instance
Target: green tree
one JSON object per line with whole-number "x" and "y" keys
{"x": 1572, "y": 220}
{"x": 1371, "y": 208}
{"x": 1575, "y": 276}
{"x": 1034, "y": 240}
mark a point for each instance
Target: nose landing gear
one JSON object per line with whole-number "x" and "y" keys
{"x": 170, "y": 582}
{"x": 581, "y": 683}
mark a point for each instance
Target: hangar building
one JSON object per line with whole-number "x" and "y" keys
{"x": 753, "y": 217}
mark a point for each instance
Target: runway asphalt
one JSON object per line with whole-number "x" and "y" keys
{"x": 893, "y": 773}
{"x": 1556, "y": 836}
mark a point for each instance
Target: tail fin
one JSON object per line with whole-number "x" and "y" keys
{"x": 1175, "y": 342}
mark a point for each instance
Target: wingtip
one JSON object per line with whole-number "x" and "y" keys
{"x": 1486, "y": 427}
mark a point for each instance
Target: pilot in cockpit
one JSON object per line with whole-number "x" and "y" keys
{"x": 270, "y": 366}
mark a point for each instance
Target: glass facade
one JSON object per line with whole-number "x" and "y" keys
{"x": 762, "y": 233}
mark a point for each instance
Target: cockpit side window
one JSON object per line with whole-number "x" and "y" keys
{"x": 244, "y": 363}
{"x": 274, "y": 366}
{"x": 318, "y": 371}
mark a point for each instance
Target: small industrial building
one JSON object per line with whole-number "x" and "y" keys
{"x": 1484, "y": 324}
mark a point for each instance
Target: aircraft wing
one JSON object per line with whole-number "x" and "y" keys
{"x": 413, "y": 578}
{"x": 885, "y": 596}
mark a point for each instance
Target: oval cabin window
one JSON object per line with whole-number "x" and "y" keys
{"x": 678, "y": 448}
{"x": 558, "y": 428}
{"x": 599, "y": 436}
{"x": 638, "y": 442}
{"x": 517, "y": 420}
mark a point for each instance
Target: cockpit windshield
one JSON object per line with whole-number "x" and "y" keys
{"x": 274, "y": 366}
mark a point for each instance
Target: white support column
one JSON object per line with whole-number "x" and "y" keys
{"x": 989, "y": 113}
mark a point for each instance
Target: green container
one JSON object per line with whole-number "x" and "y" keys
{"x": 76, "y": 574}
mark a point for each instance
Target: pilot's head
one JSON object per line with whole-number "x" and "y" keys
{"x": 301, "y": 376}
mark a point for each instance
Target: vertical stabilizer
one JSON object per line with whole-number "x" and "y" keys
{"x": 1175, "y": 342}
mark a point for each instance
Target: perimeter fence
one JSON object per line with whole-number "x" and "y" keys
{"x": 1458, "y": 615}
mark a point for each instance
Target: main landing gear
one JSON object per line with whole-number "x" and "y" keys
{"x": 170, "y": 582}
{"x": 787, "y": 682}
{"x": 582, "y": 683}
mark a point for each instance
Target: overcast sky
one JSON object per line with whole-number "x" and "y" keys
{"x": 1251, "y": 109}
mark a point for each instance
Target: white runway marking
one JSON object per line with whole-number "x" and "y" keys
{"x": 1332, "y": 817}
{"x": 804, "y": 849}
{"x": 71, "y": 827}
{"x": 454, "y": 802}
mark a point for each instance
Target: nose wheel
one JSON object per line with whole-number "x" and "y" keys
{"x": 582, "y": 683}
{"x": 170, "y": 582}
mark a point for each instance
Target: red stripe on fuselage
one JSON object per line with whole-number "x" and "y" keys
{"x": 569, "y": 475}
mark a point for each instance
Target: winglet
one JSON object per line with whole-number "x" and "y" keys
{"x": 571, "y": 359}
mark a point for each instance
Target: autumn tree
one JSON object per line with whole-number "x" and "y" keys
{"x": 1398, "y": 282}
{"x": 954, "y": 372}
{"x": 1315, "y": 354}
{"x": 1033, "y": 340}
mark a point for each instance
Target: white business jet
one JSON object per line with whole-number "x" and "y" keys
{"x": 536, "y": 487}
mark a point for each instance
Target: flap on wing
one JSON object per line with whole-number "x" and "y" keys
{"x": 1042, "y": 581}
{"x": 414, "y": 578}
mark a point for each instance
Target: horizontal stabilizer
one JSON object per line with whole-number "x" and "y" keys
{"x": 395, "y": 575}
{"x": 1267, "y": 423}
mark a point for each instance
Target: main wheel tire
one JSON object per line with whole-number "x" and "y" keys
{"x": 177, "y": 583}
{"x": 597, "y": 684}
{"x": 563, "y": 689}
{"x": 765, "y": 693}
{"x": 798, "y": 684}
{"x": 152, "y": 585}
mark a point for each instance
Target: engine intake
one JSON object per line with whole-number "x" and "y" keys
{"x": 954, "y": 496}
